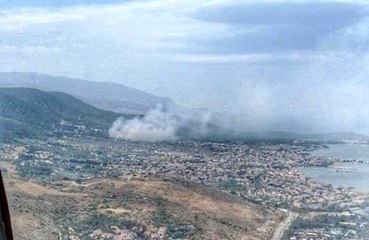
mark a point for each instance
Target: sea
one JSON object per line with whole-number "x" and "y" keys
{"x": 343, "y": 174}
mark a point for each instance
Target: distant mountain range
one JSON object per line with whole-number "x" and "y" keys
{"x": 218, "y": 133}
{"x": 26, "y": 112}
{"x": 321, "y": 137}
{"x": 108, "y": 96}
{"x": 212, "y": 131}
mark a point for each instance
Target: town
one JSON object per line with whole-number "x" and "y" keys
{"x": 265, "y": 173}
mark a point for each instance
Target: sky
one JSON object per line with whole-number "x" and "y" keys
{"x": 286, "y": 65}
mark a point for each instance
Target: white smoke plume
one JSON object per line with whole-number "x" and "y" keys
{"x": 157, "y": 125}
{"x": 161, "y": 124}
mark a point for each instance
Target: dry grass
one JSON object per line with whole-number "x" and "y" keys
{"x": 33, "y": 189}
{"x": 195, "y": 201}
{"x": 222, "y": 216}
{"x": 28, "y": 227}
{"x": 114, "y": 211}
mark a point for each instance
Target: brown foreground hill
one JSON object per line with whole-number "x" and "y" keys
{"x": 133, "y": 209}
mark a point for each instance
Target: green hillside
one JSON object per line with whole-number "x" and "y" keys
{"x": 26, "y": 112}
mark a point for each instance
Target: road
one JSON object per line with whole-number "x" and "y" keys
{"x": 284, "y": 225}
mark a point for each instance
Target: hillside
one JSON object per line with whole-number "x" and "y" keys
{"x": 26, "y": 112}
{"x": 145, "y": 208}
{"x": 109, "y": 96}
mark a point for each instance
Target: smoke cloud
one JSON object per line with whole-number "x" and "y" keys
{"x": 168, "y": 123}
{"x": 157, "y": 125}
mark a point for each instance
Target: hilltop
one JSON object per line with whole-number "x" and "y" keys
{"x": 105, "y": 95}
{"x": 26, "y": 112}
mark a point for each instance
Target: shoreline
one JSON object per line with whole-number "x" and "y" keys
{"x": 339, "y": 166}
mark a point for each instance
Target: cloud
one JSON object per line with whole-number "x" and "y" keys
{"x": 162, "y": 30}
{"x": 278, "y": 26}
{"x": 133, "y": 30}
{"x": 271, "y": 63}
{"x": 9, "y": 49}
{"x": 302, "y": 13}
{"x": 55, "y": 3}
{"x": 331, "y": 93}
{"x": 248, "y": 58}
{"x": 21, "y": 20}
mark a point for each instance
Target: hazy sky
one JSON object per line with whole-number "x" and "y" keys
{"x": 304, "y": 63}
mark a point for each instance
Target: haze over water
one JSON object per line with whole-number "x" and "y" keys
{"x": 343, "y": 174}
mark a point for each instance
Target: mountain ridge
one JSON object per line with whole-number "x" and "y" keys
{"x": 105, "y": 95}
{"x": 27, "y": 112}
